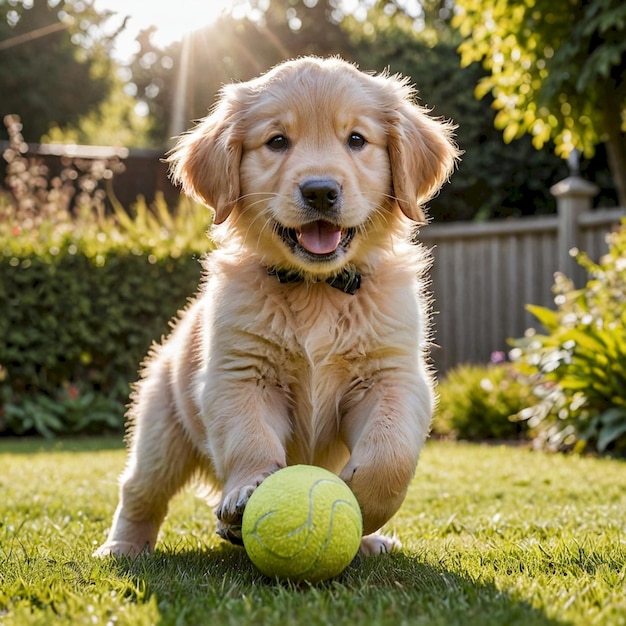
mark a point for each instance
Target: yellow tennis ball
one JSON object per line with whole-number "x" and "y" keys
{"x": 303, "y": 524}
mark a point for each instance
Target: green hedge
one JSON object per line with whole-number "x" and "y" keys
{"x": 72, "y": 324}
{"x": 80, "y": 304}
{"x": 72, "y": 320}
{"x": 478, "y": 402}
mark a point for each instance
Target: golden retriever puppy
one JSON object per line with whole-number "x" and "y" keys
{"x": 307, "y": 342}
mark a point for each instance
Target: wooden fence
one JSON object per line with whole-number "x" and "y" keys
{"x": 485, "y": 273}
{"x": 139, "y": 172}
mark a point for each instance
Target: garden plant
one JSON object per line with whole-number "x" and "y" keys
{"x": 578, "y": 366}
{"x": 480, "y": 402}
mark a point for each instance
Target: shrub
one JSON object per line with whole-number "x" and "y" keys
{"x": 70, "y": 411}
{"x": 578, "y": 367}
{"x": 477, "y": 402}
{"x": 83, "y": 294}
{"x": 85, "y": 313}
{"x": 82, "y": 309}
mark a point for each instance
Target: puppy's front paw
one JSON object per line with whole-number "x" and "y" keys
{"x": 375, "y": 544}
{"x": 230, "y": 532}
{"x": 230, "y": 511}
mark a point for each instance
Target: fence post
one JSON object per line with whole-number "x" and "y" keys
{"x": 573, "y": 197}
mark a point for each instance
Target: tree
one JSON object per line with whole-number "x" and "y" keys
{"x": 114, "y": 122}
{"x": 54, "y": 66}
{"x": 231, "y": 49}
{"x": 557, "y": 70}
{"x": 519, "y": 184}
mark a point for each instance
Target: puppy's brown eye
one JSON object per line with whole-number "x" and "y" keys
{"x": 356, "y": 141}
{"x": 278, "y": 143}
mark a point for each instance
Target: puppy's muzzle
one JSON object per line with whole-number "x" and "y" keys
{"x": 320, "y": 237}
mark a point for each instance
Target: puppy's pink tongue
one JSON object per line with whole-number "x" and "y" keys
{"x": 319, "y": 237}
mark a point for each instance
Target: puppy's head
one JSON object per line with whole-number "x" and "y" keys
{"x": 312, "y": 165}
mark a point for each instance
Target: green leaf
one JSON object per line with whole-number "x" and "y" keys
{"x": 547, "y": 317}
{"x": 573, "y": 383}
{"x": 584, "y": 339}
{"x": 614, "y": 415}
{"x": 611, "y": 432}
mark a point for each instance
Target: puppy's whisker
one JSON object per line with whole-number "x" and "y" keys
{"x": 268, "y": 225}
{"x": 230, "y": 205}
{"x": 380, "y": 212}
{"x": 265, "y": 194}
{"x": 259, "y": 216}
{"x": 390, "y": 196}
{"x": 253, "y": 205}
{"x": 266, "y": 219}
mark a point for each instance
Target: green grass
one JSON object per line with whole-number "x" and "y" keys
{"x": 492, "y": 535}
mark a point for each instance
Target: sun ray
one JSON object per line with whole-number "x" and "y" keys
{"x": 172, "y": 20}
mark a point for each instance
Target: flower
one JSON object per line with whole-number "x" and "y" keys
{"x": 497, "y": 357}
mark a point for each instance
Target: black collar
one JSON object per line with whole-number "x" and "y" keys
{"x": 348, "y": 280}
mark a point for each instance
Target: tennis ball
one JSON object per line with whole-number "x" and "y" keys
{"x": 303, "y": 524}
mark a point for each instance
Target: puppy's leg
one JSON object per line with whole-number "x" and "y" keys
{"x": 385, "y": 431}
{"x": 160, "y": 460}
{"x": 248, "y": 444}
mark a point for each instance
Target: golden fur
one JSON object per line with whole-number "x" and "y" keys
{"x": 312, "y": 168}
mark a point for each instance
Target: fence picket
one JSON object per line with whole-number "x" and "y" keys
{"x": 484, "y": 274}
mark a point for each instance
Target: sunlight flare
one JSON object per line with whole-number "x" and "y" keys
{"x": 172, "y": 20}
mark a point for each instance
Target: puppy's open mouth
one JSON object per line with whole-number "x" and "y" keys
{"x": 320, "y": 240}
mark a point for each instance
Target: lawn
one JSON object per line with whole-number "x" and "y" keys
{"x": 492, "y": 535}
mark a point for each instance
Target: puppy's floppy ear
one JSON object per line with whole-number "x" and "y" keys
{"x": 205, "y": 161}
{"x": 421, "y": 151}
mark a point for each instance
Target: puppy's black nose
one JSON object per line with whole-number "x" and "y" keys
{"x": 321, "y": 193}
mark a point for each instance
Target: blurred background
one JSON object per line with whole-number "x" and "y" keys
{"x": 98, "y": 251}
{"x": 134, "y": 74}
